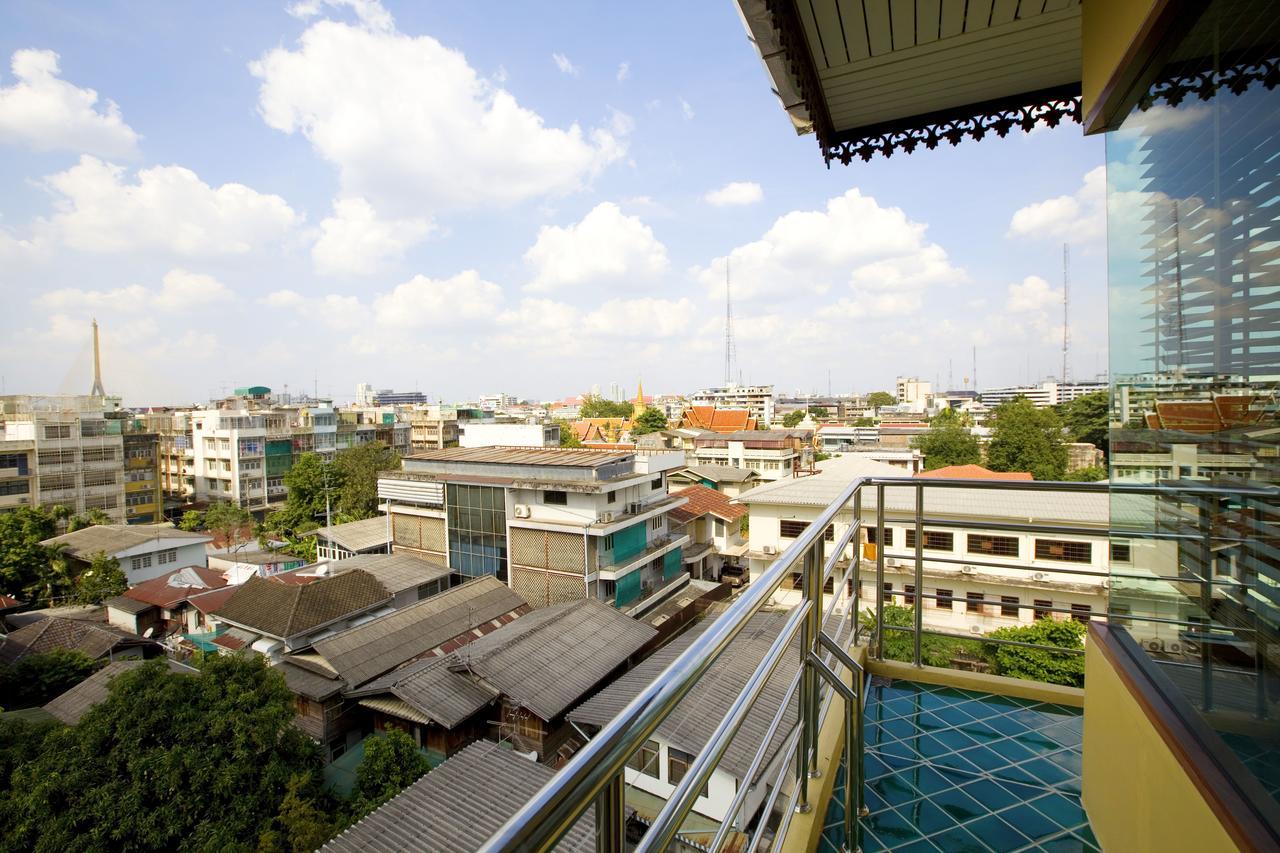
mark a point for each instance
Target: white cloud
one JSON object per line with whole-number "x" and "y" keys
{"x": 686, "y": 108}
{"x": 410, "y": 124}
{"x": 854, "y": 245}
{"x": 180, "y": 290}
{"x": 562, "y": 62}
{"x": 1032, "y": 294}
{"x": 643, "y": 318}
{"x": 735, "y": 192}
{"x": 168, "y": 208}
{"x": 354, "y": 241}
{"x": 425, "y": 302}
{"x": 624, "y": 71}
{"x": 370, "y": 13}
{"x": 1080, "y": 217}
{"x": 605, "y": 247}
{"x": 45, "y": 112}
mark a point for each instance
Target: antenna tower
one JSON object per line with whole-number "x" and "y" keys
{"x": 97, "y": 390}
{"x": 1066, "y": 309}
{"x": 730, "y": 351}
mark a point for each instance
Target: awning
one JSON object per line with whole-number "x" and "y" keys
{"x": 396, "y": 708}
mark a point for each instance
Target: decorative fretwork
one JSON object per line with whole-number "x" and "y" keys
{"x": 1205, "y": 83}
{"x": 999, "y": 120}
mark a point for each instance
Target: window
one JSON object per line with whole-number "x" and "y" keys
{"x": 945, "y": 598}
{"x": 934, "y": 540}
{"x": 1082, "y": 612}
{"x": 611, "y": 497}
{"x": 655, "y": 523}
{"x": 1009, "y": 605}
{"x": 888, "y": 592}
{"x": 608, "y": 542}
{"x": 169, "y": 556}
{"x": 1066, "y": 552}
{"x": 555, "y": 498}
{"x": 657, "y": 482}
{"x": 791, "y": 529}
{"x": 138, "y": 499}
{"x": 52, "y": 431}
{"x": 719, "y": 527}
{"x": 646, "y": 759}
{"x": 678, "y": 763}
{"x": 14, "y": 487}
{"x": 141, "y": 562}
{"x": 996, "y": 546}
{"x": 910, "y": 596}
{"x": 1043, "y": 609}
{"x": 885, "y": 532}
{"x": 973, "y": 602}
{"x": 1121, "y": 553}
{"x": 477, "y": 524}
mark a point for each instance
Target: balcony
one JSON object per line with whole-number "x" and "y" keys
{"x": 855, "y": 741}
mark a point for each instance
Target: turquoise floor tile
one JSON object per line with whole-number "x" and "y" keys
{"x": 997, "y": 834}
{"x": 1030, "y": 822}
{"x": 959, "y": 840}
{"x": 1066, "y": 812}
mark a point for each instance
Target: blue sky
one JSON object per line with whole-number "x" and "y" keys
{"x": 474, "y": 197}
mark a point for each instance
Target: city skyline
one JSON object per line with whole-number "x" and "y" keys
{"x": 593, "y": 228}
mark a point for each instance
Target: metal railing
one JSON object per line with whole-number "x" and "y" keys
{"x": 595, "y": 774}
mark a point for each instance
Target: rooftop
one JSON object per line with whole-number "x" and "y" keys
{"x": 56, "y": 632}
{"x": 430, "y": 690}
{"x": 397, "y": 572}
{"x": 357, "y": 535}
{"x": 721, "y": 473}
{"x": 456, "y": 807}
{"x": 114, "y": 538}
{"x": 555, "y": 456}
{"x": 70, "y": 706}
{"x": 705, "y": 501}
{"x": 973, "y": 472}
{"x": 286, "y": 610}
{"x": 177, "y": 586}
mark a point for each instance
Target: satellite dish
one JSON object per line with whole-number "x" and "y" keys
{"x": 147, "y": 633}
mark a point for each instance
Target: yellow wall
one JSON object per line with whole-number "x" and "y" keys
{"x": 1136, "y": 793}
{"x": 1107, "y": 27}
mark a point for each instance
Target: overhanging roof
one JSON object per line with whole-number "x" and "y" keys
{"x": 883, "y": 75}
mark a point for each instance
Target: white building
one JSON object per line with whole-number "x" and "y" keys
{"x": 915, "y": 394}
{"x": 365, "y": 395}
{"x": 758, "y": 399}
{"x": 836, "y": 438}
{"x": 1043, "y": 395}
{"x": 496, "y": 402}
{"x": 486, "y": 434}
{"x": 772, "y": 454}
{"x": 144, "y": 551}
{"x": 557, "y": 525}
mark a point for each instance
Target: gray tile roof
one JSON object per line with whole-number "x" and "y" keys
{"x": 114, "y": 538}
{"x": 287, "y": 610}
{"x": 56, "y": 632}
{"x": 549, "y": 659}
{"x": 689, "y": 727}
{"x": 558, "y": 456}
{"x": 457, "y": 806}
{"x": 70, "y": 706}
{"x": 397, "y": 572}
{"x": 433, "y": 689}
{"x": 125, "y": 604}
{"x": 367, "y": 651}
{"x": 357, "y": 535}
{"x": 721, "y": 473}
{"x": 307, "y": 683}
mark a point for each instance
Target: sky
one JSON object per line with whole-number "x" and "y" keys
{"x": 467, "y": 198}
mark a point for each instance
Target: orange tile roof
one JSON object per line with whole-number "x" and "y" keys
{"x": 973, "y": 472}
{"x": 717, "y": 420}
{"x": 703, "y": 501}
{"x": 160, "y": 592}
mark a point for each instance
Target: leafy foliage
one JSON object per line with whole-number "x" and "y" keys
{"x": 167, "y": 762}
{"x": 948, "y": 442}
{"x": 567, "y": 436}
{"x": 103, "y": 579}
{"x": 20, "y": 741}
{"x": 1039, "y": 664}
{"x": 650, "y": 420}
{"x": 191, "y": 521}
{"x": 876, "y": 399}
{"x": 36, "y": 679}
{"x": 1025, "y": 438}
{"x": 1088, "y": 418}
{"x": 354, "y": 473}
{"x": 92, "y": 518}
{"x": 301, "y": 825}
{"x": 935, "y": 650}
{"x": 790, "y": 419}
{"x": 24, "y": 562}
{"x": 1092, "y": 474}
{"x": 228, "y": 521}
{"x": 594, "y": 406}
{"x": 391, "y": 763}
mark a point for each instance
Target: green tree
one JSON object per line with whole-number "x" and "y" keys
{"x": 1025, "y": 438}
{"x": 935, "y": 649}
{"x": 1041, "y": 664}
{"x": 301, "y": 825}
{"x": 876, "y": 399}
{"x": 391, "y": 763}
{"x": 354, "y": 475}
{"x": 1088, "y": 418}
{"x": 650, "y": 420}
{"x": 229, "y": 521}
{"x": 92, "y": 518}
{"x": 1092, "y": 474}
{"x": 166, "y": 762}
{"x": 20, "y": 741}
{"x": 790, "y": 419}
{"x": 947, "y": 442}
{"x": 23, "y": 560}
{"x": 103, "y": 579}
{"x": 818, "y": 412}
{"x": 594, "y": 406}
{"x": 567, "y": 436}
{"x": 36, "y": 679}
{"x": 192, "y": 520}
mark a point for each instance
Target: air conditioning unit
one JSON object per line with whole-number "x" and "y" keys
{"x": 769, "y": 550}
{"x": 1175, "y": 648}
{"x": 606, "y": 517}
{"x": 635, "y": 508}
{"x": 968, "y": 570}
{"x": 522, "y": 510}
{"x": 1154, "y": 645}
{"x": 890, "y": 562}
{"x": 1038, "y": 576}
{"x": 975, "y": 629}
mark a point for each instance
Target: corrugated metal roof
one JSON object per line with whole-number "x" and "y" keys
{"x": 432, "y": 688}
{"x": 721, "y": 473}
{"x": 396, "y": 708}
{"x": 114, "y": 538}
{"x": 549, "y": 659}
{"x": 357, "y": 535}
{"x": 573, "y": 457}
{"x": 307, "y": 683}
{"x": 690, "y": 725}
{"x": 456, "y": 807}
{"x": 397, "y": 572}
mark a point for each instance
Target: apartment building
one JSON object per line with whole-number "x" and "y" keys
{"x": 486, "y": 434}
{"x": 772, "y": 454}
{"x": 17, "y": 473}
{"x": 557, "y": 525}
{"x": 1044, "y": 395}
{"x": 913, "y": 393}
{"x": 758, "y": 399}
{"x": 77, "y": 446}
{"x": 143, "y": 497}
